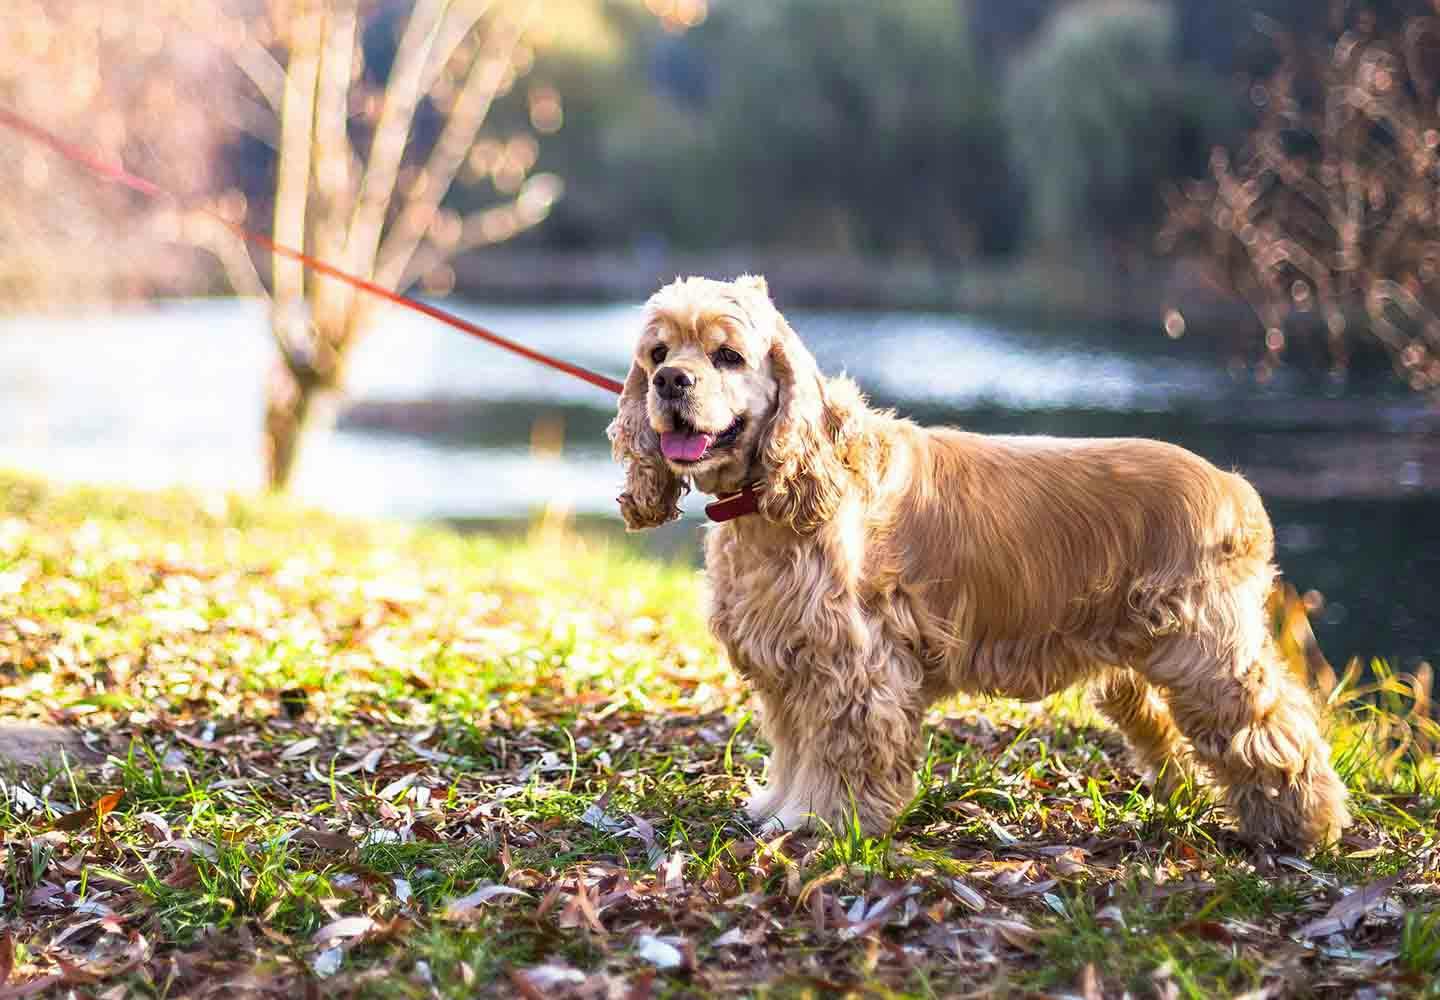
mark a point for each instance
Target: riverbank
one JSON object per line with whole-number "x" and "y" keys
{"x": 364, "y": 759}
{"x": 437, "y": 426}
{"x": 1016, "y": 290}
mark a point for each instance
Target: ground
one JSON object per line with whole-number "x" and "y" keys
{"x": 304, "y": 755}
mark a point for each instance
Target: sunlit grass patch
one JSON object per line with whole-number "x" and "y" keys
{"x": 1137, "y": 949}
{"x": 1420, "y": 946}
{"x": 388, "y": 761}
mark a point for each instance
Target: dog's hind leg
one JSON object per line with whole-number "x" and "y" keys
{"x": 1257, "y": 729}
{"x": 1138, "y": 710}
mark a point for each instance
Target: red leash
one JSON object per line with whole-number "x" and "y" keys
{"x": 726, "y": 508}
{"x": 117, "y": 174}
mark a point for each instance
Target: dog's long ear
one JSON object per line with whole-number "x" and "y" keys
{"x": 804, "y": 447}
{"x": 652, "y": 491}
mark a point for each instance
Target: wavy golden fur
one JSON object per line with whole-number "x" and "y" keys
{"x": 891, "y": 565}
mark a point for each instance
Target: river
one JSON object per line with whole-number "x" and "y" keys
{"x": 441, "y": 427}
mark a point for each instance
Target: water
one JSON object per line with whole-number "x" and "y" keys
{"x": 442, "y": 427}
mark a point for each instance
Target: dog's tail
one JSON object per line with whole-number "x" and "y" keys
{"x": 1295, "y": 640}
{"x": 1251, "y": 536}
{"x": 1253, "y": 540}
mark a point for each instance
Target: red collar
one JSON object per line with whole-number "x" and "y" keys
{"x": 729, "y": 506}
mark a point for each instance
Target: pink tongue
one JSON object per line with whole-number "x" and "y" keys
{"x": 679, "y": 447}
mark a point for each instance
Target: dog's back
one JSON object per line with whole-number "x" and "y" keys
{"x": 1088, "y": 544}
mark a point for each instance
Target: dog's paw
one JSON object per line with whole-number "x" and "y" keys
{"x": 768, "y": 808}
{"x": 762, "y": 803}
{"x": 770, "y": 829}
{"x": 787, "y": 818}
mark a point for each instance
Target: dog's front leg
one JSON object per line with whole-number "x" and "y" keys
{"x": 845, "y": 731}
{"x": 769, "y": 799}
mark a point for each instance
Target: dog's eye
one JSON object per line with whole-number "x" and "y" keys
{"x": 725, "y": 356}
{"x": 658, "y": 355}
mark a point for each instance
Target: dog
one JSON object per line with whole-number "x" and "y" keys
{"x": 876, "y": 566}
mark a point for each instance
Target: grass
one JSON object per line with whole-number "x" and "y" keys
{"x": 372, "y": 760}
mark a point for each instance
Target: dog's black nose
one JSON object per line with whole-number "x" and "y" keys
{"x": 672, "y": 383}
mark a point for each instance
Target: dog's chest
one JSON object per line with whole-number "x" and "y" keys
{"x": 764, "y": 597}
{"x": 780, "y": 601}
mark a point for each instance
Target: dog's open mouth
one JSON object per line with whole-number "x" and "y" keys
{"x": 686, "y": 444}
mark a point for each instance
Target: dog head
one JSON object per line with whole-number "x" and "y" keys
{"x": 721, "y": 394}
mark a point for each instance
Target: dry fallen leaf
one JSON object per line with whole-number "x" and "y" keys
{"x": 343, "y": 929}
{"x": 583, "y": 906}
{"x": 1111, "y": 914}
{"x": 326, "y": 840}
{"x": 1023, "y": 889}
{"x": 735, "y": 937}
{"x": 1070, "y": 863}
{"x": 459, "y": 909}
{"x": 33, "y": 987}
{"x": 189, "y": 845}
{"x": 661, "y": 952}
{"x": 1210, "y": 930}
{"x": 1016, "y": 933}
{"x": 327, "y": 962}
{"x": 108, "y": 802}
{"x": 674, "y": 872}
{"x": 81, "y": 818}
{"x": 300, "y": 748}
{"x": 833, "y": 875}
{"x": 962, "y": 891}
{"x": 398, "y": 785}
{"x": 1001, "y": 834}
{"x": 539, "y": 982}
{"x": 863, "y": 920}
{"x": 1350, "y": 910}
{"x": 156, "y": 826}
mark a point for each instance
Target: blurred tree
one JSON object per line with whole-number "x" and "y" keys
{"x": 1222, "y": 36}
{"x": 132, "y": 88}
{"x": 1002, "y": 29}
{"x": 1098, "y": 115}
{"x": 356, "y": 120}
{"x": 880, "y": 129}
{"x": 364, "y": 161}
{"x": 1330, "y": 210}
{"x": 809, "y": 124}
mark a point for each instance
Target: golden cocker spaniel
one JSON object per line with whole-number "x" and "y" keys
{"x": 888, "y": 565}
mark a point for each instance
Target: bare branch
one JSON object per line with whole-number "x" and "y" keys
{"x": 1332, "y": 205}
{"x": 231, "y": 251}
{"x": 232, "y": 36}
{"x": 253, "y": 119}
{"x": 334, "y": 154}
{"x": 487, "y": 73}
{"x": 459, "y": 21}
{"x": 261, "y": 69}
{"x": 1386, "y": 295}
{"x": 387, "y": 149}
{"x": 487, "y": 227}
{"x": 297, "y": 128}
